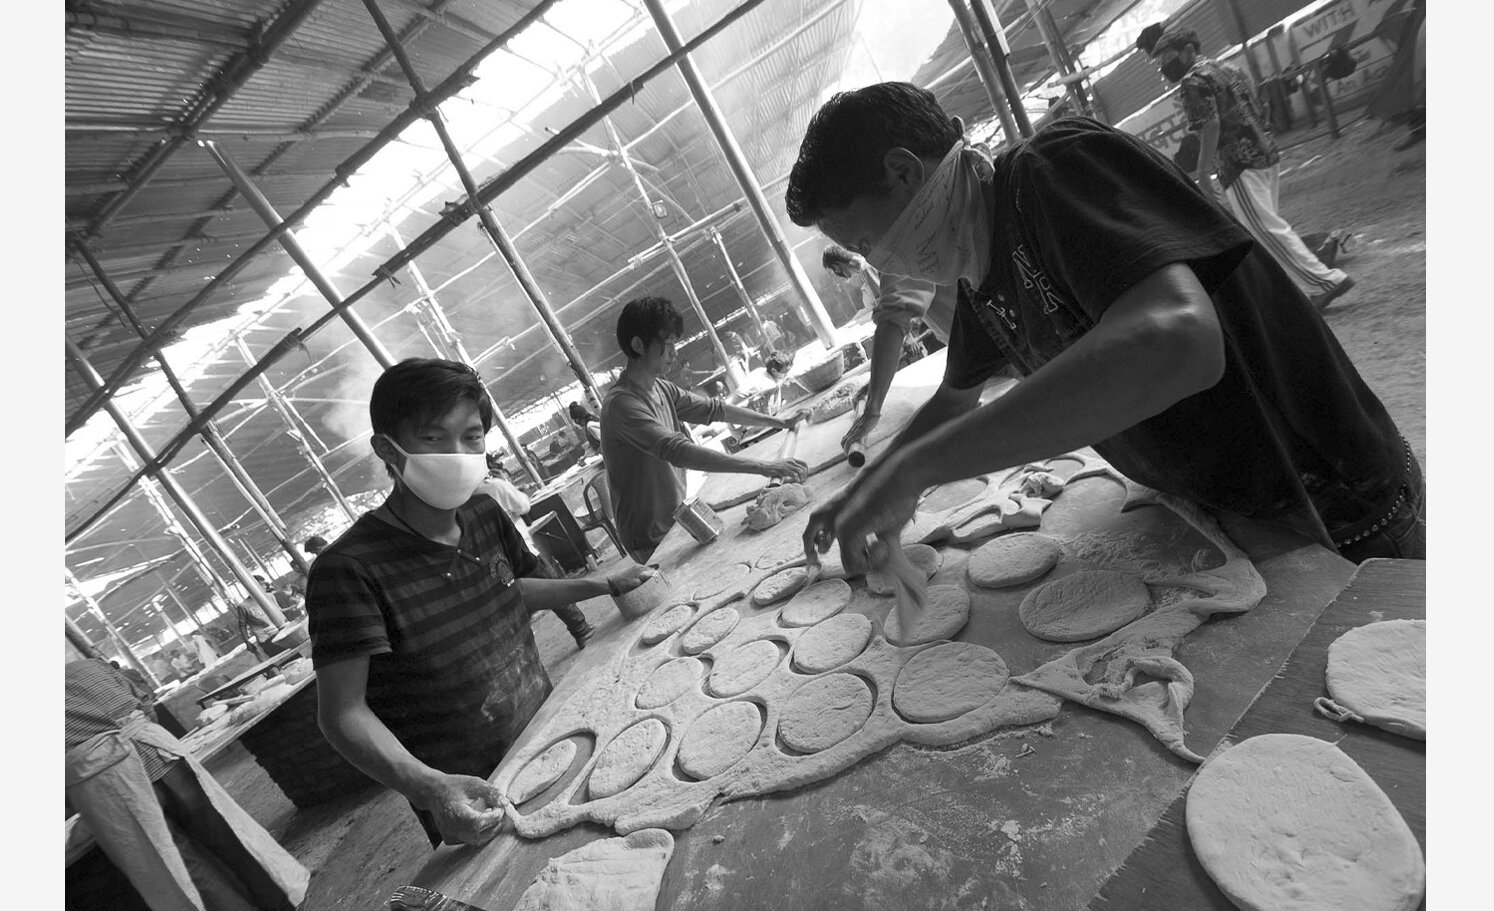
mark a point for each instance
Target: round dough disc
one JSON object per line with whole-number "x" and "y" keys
{"x": 1014, "y": 559}
{"x": 708, "y": 630}
{"x": 819, "y": 601}
{"x": 779, "y": 586}
{"x": 1086, "y": 605}
{"x": 623, "y": 761}
{"x": 723, "y": 580}
{"x": 1379, "y": 672}
{"x": 956, "y": 493}
{"x": 743, "y": 668}
{"x": 542, "y": 771}
{"x": 670, "y": 681}
{"x": 825, "y": 711}
{"x": 946, "y": 681}
{"x": 667, "y": 624}
{"x": 718, "y": 738}
{"x": 830, "y": 644}
{"x": 946, "y": 613}
{"x": 922, "y": 556}
{"x": 1284, "y": 822}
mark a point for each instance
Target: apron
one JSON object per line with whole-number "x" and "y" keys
{"x": 107, "y": 784}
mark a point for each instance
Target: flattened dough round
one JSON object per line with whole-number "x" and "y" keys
{"x": 832, "y": 643}
{"x": 1086, "y": 605}
{"x": 1014, "y": 559}
{"x": 1379, "y": 672}
{"x": 667, "y": 624}
{"x": 946, "y": 681}
{"x": 825, "y": 711}
{"x": 718, "y": 738}
{"x": 1284, "y": 822}
{"x": 946, "y": 613}
{"x": 922, "y": 556}
{"x": 743, "y": 668}
{"x": 542, "y": 771}
{"x": 819, "y": 601}
{"x": 709, "y": 630}
{"x": 778, "y": 586}
{"x": 670, "y": 681}
{"x": 731, "y": 575}
{"x": 623, "y": 761}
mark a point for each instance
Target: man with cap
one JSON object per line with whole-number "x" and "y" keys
{"x": 1235, "y": 142}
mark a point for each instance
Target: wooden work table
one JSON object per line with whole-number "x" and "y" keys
{"x": 1030, "y": 818}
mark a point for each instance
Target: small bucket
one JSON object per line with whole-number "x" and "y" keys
{"x": 638, "y": 602}
{"x": 699, "y": 519}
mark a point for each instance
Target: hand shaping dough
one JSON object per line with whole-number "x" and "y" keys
{"x": 1014, "y": 559}
{"x": 825, "y": 711}
{"x": 544, "y": 771}
{"x": 1378, "y": 675}
{"x": 1284, "y": 822}
{"x": 708, "y": 630}
{"x": 614, "y": 874}
{"x": 922, "y": 556}
{"x": 817, "y": 602}
{"x": 948, "y": 680}
{"x": 945, "y": 612}
{"x": 667, "y": 624}
{"x": 1083, "y": 606}
{"x": 718, "y": 738}
{"x": 826, "y": 646}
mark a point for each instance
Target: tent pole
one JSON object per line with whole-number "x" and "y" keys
{"x": 742, "y": 171}
{"x": 990, "y": 26}
{"x": 119, "y": 640}
{"x": 1058, "y": 52}
{"x": 985, "y": 69}
{"x": 188, "y": 507}
{"x": 736, "y": 281}
{"x": 166, "y": 587}
{"x": 489, "y": 222}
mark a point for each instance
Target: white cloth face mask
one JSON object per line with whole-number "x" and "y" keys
{"x": 444, "y": 480}
{"x": 943, "y": 234}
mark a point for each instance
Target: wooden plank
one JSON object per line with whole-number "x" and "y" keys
{"x": 1163, "y": 872}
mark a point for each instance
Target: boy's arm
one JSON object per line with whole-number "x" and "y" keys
{"x": 467, "y": 809}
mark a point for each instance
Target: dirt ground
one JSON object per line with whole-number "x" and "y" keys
{"x": 360, "y": 848}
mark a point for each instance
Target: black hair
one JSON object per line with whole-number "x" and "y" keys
{"x": 420, "y": 389}
{"x": 1176, "y": 38}
{"x": 1146, "y": 42}
{"x": 648, "y": 318}
{"x": 836, "y": 255}
{"x": 315, "y": 544}
{"x": 841, "y": 155}
{"x": 580, "y": 413}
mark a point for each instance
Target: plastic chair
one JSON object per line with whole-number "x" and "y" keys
{"x": 599, "y": 513}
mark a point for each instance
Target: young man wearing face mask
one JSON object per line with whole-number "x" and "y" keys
{"x": 419, "y": 613}
{"x": 644, "y": 443}
{"x": 1143, "y": 318}
{"x": 1235, "y": 142}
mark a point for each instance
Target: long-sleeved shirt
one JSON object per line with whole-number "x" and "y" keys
{"x": 643, "y": 433}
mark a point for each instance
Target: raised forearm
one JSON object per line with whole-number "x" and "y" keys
{"x": 701, "y": 458}
{"x": 548, "y": 594}
{"x": 887, "y": 349}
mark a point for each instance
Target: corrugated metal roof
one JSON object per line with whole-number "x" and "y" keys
{"x": 328, "y": 87}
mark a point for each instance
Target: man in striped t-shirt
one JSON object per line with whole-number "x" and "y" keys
{"x": 419, "y": 613}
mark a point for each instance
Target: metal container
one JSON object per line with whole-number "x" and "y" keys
{"x": 638, "y": 602}
{"x": 699, "y": 520}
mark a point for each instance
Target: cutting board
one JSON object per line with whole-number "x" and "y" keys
{"x": 1163, "y": 872}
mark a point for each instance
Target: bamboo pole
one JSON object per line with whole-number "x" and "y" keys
{"x": 119, "y": 640}
{"x": 741, "y": 170}
{"x": 985, "y": 68}
{"x": 990, "y": 26}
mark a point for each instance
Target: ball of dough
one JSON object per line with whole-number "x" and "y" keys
{"x": 945, "y": 613}
{"x": 718, "y": 738}
{"x": 542, "y": 771}
{"x": 625, "y": 760}
{"x": 667, "y": 624}
{"x": 779, "y": 586}
{"x": 825, "y": 711}
{"x": 817, "y": 602}
{"x": 743, "y": 668}
{"x": 708, "y": 630}
{"x": 669, "y": 681}
{"x": 830, "y": 644}
{"x": 946, "y": 681}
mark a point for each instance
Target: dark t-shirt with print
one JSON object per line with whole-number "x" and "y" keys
{"x": 1290, "y": 435}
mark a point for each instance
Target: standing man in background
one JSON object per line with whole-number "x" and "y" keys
{"x": 1235, "y": 142}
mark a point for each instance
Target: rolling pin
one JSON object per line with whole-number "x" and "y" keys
{"x": 790, "y": 440}
{"x": 856, "y": 452}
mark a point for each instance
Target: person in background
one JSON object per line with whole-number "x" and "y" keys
{"x": 426, "y": 666}
{"x": 1143, "y": 318}
{"x": 773, "y": 336}
{"x": 516, "y": 505}
{"x": 136, "y": 679}
{"x": 645, "y": 446}
{"x": 315, "y": 545}
{"x": 158, "y": 815}
{"x": 587, "y": 423}
{"x": 1235, "y": 142}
